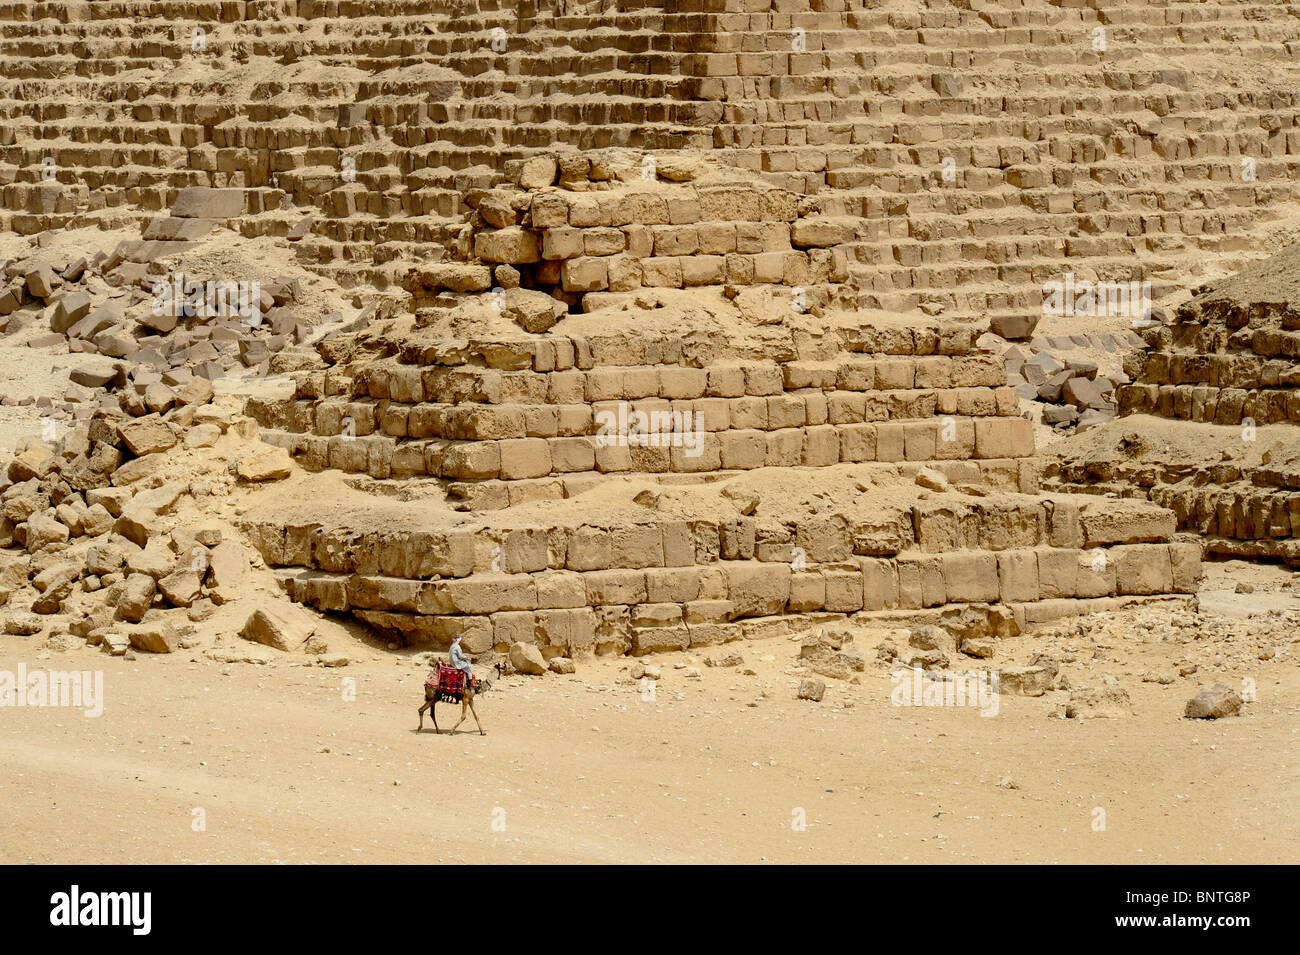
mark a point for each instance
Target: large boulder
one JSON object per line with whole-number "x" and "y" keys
{"x": 137, "y": 597}
{"x": 35, "y": 461}
{"x": 40, "y": 280}
{"x": 1213, "y": 703}
{"x": 531, "y": 310}
{"x": 497, "y": 211}
{"x": 55, "y": 585}
{"x": 139, "y": 520}
{"x": 104, "y": 558}
{"x": 265, "y": 464}
{"x": 526, "y": 658}
{"x": 181, "y": 587}
{"x": 158, "y": 398}
{"x": 930, "y": 637}
{"x": 69, "y": 310}
{"x": 112, "y": 499}
{"x": 825, "y": 652}
{"x": 93, "y": 377}
{"x": 43, "y": 530}
{"x": 21, "y": 623}
{"x": 114, "y": 642}
{"x": 202, "y": 436}
{"x": 538, "y": 172}
{"x": 159, "y": 637}
{"x": 147, "y": 435}
{"x": 812, "y": 690}
{"x": 227, "y": 564}
{"x": 156, "y": 559}
{"x": 281, "y": 625}
{"x": 197, "y": 391}
{"x": 96, "y": 521}
{"x": 1020, "y": 325}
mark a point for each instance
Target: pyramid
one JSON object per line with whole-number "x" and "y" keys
{"x": 682, "y": 305}
{"x": 689, "y": 447}
{"x": 978, "y": 147}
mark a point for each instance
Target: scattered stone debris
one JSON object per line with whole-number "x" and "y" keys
{"x": 827, "y": 652}
{"x": 1071, "y": 394}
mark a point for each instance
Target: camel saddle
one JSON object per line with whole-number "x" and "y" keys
{"x": 446, "y": 679}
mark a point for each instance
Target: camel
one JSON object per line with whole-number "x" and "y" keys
{"x": 466, "y": 705}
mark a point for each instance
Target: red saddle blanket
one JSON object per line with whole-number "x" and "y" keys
{"x": 446, "y": 679}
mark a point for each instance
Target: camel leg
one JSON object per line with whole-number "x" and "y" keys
{"x": 422, "y": 709}
{"x": 433, "y": 712}
{"x": 464, "y": 709}
{"x": 481, "y": 731}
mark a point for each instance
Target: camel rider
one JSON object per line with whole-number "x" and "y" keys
{"x": 459, "y": 660}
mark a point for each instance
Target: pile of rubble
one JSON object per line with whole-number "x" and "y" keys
{"x": 108, "y": 536}
{"x": 162, "y": 329}
{"x": 1072, "y": 392}
{"x": 115, "y": 522}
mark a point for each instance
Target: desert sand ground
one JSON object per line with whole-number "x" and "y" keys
{"x": 195, "y": 761}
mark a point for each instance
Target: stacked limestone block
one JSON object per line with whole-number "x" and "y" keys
{"x": 575, "y": 225}
{"x": 1243, "y": 504}
{"x": 987, "y": 145}
{"x": 904, "y": 429}
{"x": 1222, "y": 362}
{"x": 511, "y": 420}
{"x": 907, "y": 425}
{"x": 1213, "y": 411}
{"x": 643, "y": 582}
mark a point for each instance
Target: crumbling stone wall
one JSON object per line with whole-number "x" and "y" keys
{"x": 660, "y": 584}
{"x": 575, "y": 225}
{"x": 486, "y": 412}
{"x": 1222, "y": 372}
